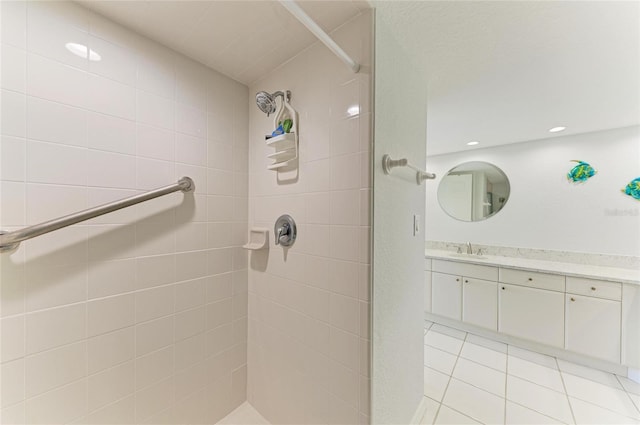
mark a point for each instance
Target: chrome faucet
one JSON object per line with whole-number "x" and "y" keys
{"x": 469, "y": 250}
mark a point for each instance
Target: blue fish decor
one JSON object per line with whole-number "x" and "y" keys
{"x": 633, "y": 188}
{"x": 581, "y": 172}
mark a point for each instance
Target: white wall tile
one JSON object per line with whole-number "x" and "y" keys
{"x": 191, "y": 121}
{"x": 13, "y": 338}
{"x": 116, "y": 62}
{"x": 153, "y": 335}
{"x": 14, "y": 23}
{"x": 155, "y": 110}
{"x": 55, "y": 368}
{"x": 61, "y": 405}
{"x": 13, "y": 382}
{"x": 110, "y": 349}
{"x": 56, "y": 122}
{"x": 105, "y": 132}
{"x": 57, "y": 82}
{"x": 110, "y": 97}
{"x": 13, "y": 198}
{"x": 14, "y": 113}
{"x": 48, "y": 34}
{"x": 110, "y": 314}
{"x": 14, "y": 77}
{"x": 97, "y": 132}
{"x": 57, "y": 164}
{"x": 154, "y": 367}
{"x": 12, "y": 158}
{"x": 191, "y": 150}
{"x": 110, "y": 385}
{"x": 55, "y": 327}
{"x": 155, "y": 142}
{"x": 154, "y": 303}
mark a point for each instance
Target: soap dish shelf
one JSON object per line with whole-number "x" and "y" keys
{"x": 258, "y": 239}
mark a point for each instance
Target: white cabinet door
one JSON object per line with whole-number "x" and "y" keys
{"x": 533, "y": 314}
{"x": 480, "y": 303}
{"x": 427, "y": 291}
{"x": 593, "y": 327}
{"x": 446, "y": 295}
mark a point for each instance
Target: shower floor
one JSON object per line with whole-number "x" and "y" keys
{"x": 244, "y": 414}
{"x": 470, "y": 380}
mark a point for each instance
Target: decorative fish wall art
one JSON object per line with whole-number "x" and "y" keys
{"x": 633, "y": 188}
{"x": 581, "y": 172}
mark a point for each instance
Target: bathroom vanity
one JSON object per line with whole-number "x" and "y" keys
{"x": 579, "y": 312}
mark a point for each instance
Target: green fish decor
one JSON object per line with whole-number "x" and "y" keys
{"x": 633, "y": 188}
{"x": 581, "y": 172}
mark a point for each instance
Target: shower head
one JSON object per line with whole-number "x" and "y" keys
{"x": 267, "y": 102}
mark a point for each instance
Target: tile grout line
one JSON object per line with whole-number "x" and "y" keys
{"x": 506, "y": 380}
{"x": 566, "y": 393}
{"x": 633, "y": 403}
{"x": 435, "y": 418}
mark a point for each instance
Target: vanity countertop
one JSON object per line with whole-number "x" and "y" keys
{"x": 615, "y": 274}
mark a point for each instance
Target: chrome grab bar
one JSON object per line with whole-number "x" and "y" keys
{"x": 11, "y": 240}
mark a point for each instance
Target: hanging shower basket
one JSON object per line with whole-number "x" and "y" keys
{"x": 285, "y": 145}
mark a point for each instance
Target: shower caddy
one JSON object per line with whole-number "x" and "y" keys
{"x": 286, "y": 144}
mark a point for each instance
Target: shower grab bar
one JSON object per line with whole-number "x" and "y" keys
{"x": 388, "y": 164}
{"x": 312, "y": 26}
{"x": 11, "y": 240}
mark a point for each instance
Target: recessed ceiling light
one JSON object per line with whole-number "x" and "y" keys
{"x": 83, "y": 51}
{"x": 556, "y": 129}
{"x": 472, "y": 143}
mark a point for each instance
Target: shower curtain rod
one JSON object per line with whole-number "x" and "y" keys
{"x": 11, "y": 240}
{"x": 311, "y": 25}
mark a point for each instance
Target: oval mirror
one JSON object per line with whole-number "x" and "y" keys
{"x": 473, "y": 191}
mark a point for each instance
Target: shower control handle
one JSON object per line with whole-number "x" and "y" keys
{"x": 285, "y": 230}
{"x": 283, "y": 234}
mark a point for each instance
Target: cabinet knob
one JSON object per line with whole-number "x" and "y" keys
{"x": 530, "y": 279}
{"x": 457, "y": 280}
{"x": 466, "y": 281}
{"x": 593, "y": 288}
{"x": 572, "y": 299}
{"x": 503, "y": 288}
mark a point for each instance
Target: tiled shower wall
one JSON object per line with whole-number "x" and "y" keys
{"x": 309, "y": 337}
{"x": 139, "y": 316}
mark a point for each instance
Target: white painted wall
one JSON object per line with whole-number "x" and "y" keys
{"x": 544, "y": 210}
{"x": 398, "y": 255}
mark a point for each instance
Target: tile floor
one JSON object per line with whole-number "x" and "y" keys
{"x": 469, "y": 380}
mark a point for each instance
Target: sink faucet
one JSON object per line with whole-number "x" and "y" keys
{"x": 469, "y": 250}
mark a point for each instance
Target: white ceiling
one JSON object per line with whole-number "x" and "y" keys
{"x": 507, "y": 71}
{"x": 241, "y": 39}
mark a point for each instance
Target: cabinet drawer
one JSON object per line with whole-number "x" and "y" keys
{"x": 594, "y": 288}
{"x": 465, "y": 269}
{"x": 552, "y": 282}
{"x": 427, "y": 263}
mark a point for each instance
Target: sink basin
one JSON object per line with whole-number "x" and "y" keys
{"x": 467, "y": 256}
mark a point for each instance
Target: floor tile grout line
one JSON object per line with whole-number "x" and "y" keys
{"x": 566, "y": 393}
{"x": 628, "y": 394}
{"x": 506, "y": 380}
{"x": 435, "y": 418}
